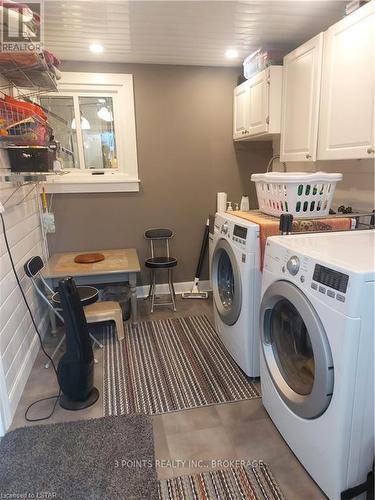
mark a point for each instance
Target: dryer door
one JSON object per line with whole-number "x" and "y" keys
{"x": 226, "y": 282}
{"x": 296, "y": 350}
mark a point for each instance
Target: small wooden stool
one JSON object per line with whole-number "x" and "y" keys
{"x": 106, "y": 311}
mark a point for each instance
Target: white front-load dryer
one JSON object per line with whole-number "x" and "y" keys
{"x": 317, "y": 352}
{"x": 236, "y": 282}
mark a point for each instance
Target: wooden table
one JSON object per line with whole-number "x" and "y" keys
{"x": 118, "y": 266}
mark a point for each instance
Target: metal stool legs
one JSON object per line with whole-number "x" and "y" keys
{"x": 171, "y": 288}
{"x": 153, "y": 286}
{"x": 152, "y": 291}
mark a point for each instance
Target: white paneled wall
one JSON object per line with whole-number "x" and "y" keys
{"x": 358, "y": 184}
{"x": 19, "y": 343}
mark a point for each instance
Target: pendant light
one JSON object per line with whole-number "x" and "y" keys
{"x": 85, "y": 124}
{"x": 105, "y": 114}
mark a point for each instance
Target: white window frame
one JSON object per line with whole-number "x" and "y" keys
{"x": 125, "y": 177}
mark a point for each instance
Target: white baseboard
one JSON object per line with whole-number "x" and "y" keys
{"x": 162, "y": 288}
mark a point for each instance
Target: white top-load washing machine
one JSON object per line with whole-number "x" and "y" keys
{"x": 236, "y": 282}
{"x": 317, "y": 351}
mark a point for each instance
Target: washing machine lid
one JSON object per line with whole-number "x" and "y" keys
{"x": 226, "y": 282}
{"x": 296, "y": 350}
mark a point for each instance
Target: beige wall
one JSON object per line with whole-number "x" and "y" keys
{"x": 185, "y": 154}
{"x": 357, "y": 186}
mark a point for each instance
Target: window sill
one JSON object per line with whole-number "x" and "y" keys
{"x": 87, "y": 183}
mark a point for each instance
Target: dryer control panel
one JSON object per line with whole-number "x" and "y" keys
{"x": 329, "y": 277}
{"x": 330, "y": 269}
{"x": 326, "y": 283}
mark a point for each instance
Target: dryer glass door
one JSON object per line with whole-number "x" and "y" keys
{"x": 291, "y": 345}
{"x": 296, "y": 350}
{"x": 226, "y": 283}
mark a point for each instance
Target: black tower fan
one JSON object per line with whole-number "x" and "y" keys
{"x": 76, "y": 367}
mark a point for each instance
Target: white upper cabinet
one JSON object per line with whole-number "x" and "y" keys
{"x": 300, "y": 101}
{"x": 346, "y": 124}
{"x": 240, "y": 110}
{"x": 257, "y": 106}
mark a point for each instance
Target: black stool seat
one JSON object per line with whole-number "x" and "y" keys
{"x": 161, "y": 262}
{"x": 87, "y": 294}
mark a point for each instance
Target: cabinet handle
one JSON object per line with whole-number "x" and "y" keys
{"x": 307, "y": 157}
{"x": 370, "y": 150}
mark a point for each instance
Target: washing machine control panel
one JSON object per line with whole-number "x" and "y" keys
{"x": 224, "y": 228}
{"x": 239, "y": 234}
{"x": 293, "y": 265}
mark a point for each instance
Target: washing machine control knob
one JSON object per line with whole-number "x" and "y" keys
{"x": 293, "y": 265}
{"x": 224, "y": 228}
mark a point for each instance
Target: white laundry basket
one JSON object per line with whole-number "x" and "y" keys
{"x": 296, "y": 193}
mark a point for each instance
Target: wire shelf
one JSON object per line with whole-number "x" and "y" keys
{"x": 28, "y": 71}
{"x": 22, "y": 125}
{"x": 362, "y": 221}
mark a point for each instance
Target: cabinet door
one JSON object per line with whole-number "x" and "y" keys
{"x": 346, "y": 126}
{"x": 300, "y": 101}
{"x": 241, "y": 110}
{"x": 258, "y": 103}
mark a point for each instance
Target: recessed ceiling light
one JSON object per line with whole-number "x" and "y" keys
{"x": 96, "y": 48}
{"x": 231, "y": 54}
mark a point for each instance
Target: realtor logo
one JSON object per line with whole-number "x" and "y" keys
{"x": 21, "y": 26}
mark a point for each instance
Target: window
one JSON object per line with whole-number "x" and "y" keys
{"x": 92, "y": 117}
{"x": 98, "y": 137}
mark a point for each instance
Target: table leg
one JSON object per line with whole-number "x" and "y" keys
{"x": 133, "y": 297}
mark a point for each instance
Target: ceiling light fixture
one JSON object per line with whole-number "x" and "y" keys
{"x": 96, "y": 48}
{"x": 231, "y": 54}
{"x": 85, "y": 124}
{"x": 105, "y": 114}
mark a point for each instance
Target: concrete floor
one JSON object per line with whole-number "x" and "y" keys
{"x": 191, "y": 440}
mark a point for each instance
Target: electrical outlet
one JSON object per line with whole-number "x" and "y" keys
{"x": 2, "y": 208}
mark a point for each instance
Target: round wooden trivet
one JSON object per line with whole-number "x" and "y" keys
{"x": 89, "y": 258}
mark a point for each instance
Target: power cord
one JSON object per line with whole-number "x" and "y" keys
{"x": 56, "y": 397}
{"x": 36, "y": 329}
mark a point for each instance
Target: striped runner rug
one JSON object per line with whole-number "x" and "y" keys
{"x": 169, "y": 365}
{"x": 254, "y": 482}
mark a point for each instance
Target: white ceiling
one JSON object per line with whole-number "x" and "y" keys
{"x": 182, "y": 32}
